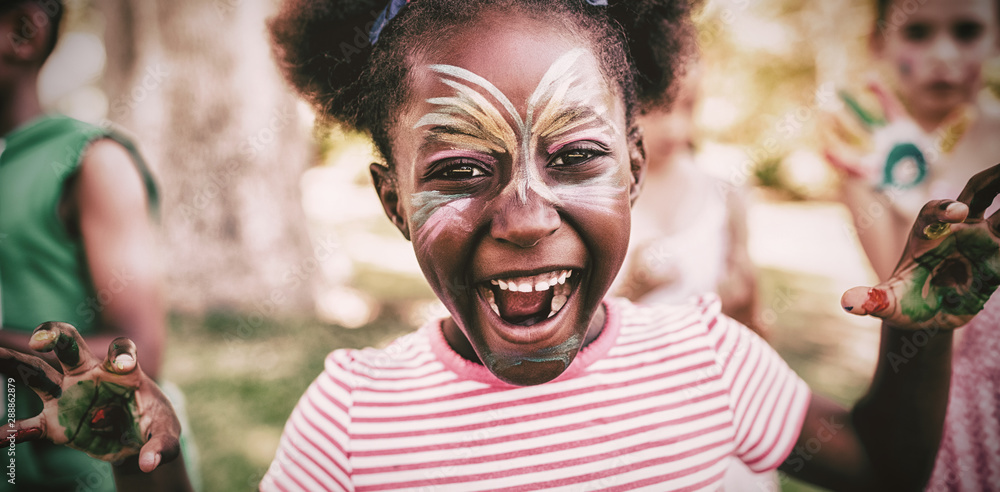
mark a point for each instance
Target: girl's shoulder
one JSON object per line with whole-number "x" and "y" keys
{"x": 407, "y": 356}
{"x": 697, "y": 324}
{"x": 695, "y": 316}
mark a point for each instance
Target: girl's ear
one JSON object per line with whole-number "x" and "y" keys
{"x": 637, "y": 158}
{"x": 385, "y": 186}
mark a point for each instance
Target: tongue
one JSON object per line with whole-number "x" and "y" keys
{"x": 518, "y": 307}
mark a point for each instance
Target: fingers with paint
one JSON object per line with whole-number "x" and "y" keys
{"x": 950, "y": 267}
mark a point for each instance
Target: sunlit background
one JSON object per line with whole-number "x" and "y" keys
{"x": 276, "y": 249}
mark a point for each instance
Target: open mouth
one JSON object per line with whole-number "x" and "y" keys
{"x": 942, "y": 86}
{"x": 526, "y": 301}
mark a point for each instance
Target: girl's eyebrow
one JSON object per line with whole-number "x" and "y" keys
{"x": 463, "y": 136}
{"x": 569, "y": 119}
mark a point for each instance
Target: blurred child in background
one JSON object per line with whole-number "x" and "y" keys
{"x": 77, "y": 241}
{"x": 689, "y": 229}
{"x": 933, "y": 126}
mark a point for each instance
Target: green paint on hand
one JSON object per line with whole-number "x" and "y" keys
{"x": 100, "y": 420}
{"x": 927, "y": 296}
{"x": 67, "y": 350}
{"x": 865, "y": 117}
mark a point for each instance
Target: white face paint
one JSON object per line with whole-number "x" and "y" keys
{"x": 560, "y": 110}
{"x": 513, "y": 165}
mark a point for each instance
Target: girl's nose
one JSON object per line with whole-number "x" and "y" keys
{"x": 944, "y": 49}
{"x": 524, "y": 224}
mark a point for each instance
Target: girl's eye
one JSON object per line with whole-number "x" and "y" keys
{"x": 574, "y": 157}
{"x": 917, "y": 32}
{"x": 460, "y": 171}
{"x": 967, "y": 31}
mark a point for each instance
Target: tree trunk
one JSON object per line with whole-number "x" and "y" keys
{"x": 195, "y": 84}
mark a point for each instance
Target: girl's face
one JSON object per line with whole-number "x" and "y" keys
{"x": 513, "y": 180}
{"x": 937, "y": 51}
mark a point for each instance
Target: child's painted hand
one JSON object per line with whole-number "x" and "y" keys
{"x": 950, "y": 266}
{"x": 108, "y": 409}
{"x": 887, "y": 150}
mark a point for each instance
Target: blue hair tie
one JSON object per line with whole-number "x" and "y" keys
{"x": 396, "y": 6}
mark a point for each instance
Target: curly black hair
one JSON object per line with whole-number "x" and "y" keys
{"x": 323, "y": 50}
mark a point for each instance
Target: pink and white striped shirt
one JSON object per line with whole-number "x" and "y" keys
{"x": 659, "y": 401}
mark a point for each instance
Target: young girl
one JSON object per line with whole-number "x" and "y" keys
{"x": 942, "y": 128}
{"x": 511, "y": 163}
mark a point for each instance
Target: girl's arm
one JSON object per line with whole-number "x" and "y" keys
{"x": 106, "y": 205}
{"x": 119, "y": 239}
{"x": 890, "y": 439}
{"x": 950, "y": 268}
{"x": 880, "y": 226}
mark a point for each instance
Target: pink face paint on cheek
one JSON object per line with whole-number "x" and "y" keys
{"x": 447, "y": 217}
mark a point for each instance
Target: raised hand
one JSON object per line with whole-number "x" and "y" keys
{"x": 888, "y": 150}
{"x": 950, "y": 266}
{"x": 108, "y": 409}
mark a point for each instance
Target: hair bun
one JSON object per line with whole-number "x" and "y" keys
{"x": 661, "y": 40}
{"x": 322, "y": 48}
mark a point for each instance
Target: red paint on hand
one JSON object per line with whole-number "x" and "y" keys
{"x": 29, "y": 434}
{"x": 99, "y": 419}
{"x": 877, "y": 301}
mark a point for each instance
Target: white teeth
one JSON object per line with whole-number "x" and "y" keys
{"x": 561, "y": 290}
{"x": 491, "y": 299}
{"x": 558, "y": 302}
{"x": 555, "y": 280}
{"x": 536, "y": 283}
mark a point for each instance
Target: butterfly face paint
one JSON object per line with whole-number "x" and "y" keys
{"x": 514, "y": 177}
{"x": 554, "y": 111}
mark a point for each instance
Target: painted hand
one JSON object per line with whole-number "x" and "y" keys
{"x": 108, "y": 409}
{"x": 950, "y": 267}
{"x": 889, "y": 150}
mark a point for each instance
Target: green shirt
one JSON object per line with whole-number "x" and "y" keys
{"x": 43, "y": 270}
{"x": 44, "y": 275}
